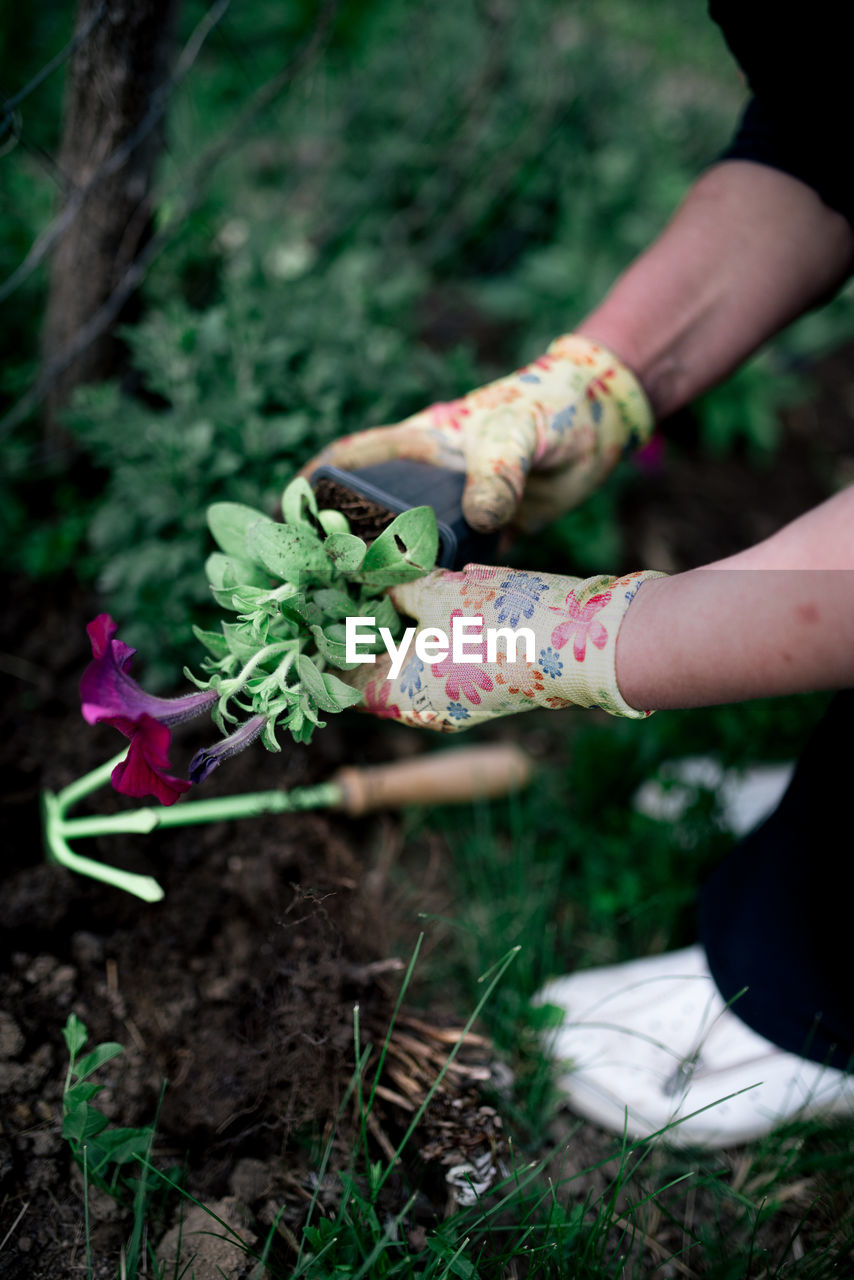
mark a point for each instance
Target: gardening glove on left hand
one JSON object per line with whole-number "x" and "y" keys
{"x": 574, "y": 624}
{"x": 533, "y": 444}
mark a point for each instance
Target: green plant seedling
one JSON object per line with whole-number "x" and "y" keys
{"x": 103, "y": 1151}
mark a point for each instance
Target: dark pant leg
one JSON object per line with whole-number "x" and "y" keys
{"x": 778, "y": 916}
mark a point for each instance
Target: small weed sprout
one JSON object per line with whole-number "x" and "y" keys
{"x": 103, "y": 1152}
{"x": 115, "y": 1159}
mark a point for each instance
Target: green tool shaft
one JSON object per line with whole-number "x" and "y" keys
{"x": 438, "y": 778}
{"x": 69, "y": 796}
{"x": 325, "y": 795}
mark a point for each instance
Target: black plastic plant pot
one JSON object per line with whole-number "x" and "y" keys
{"x": 370, "y": 498}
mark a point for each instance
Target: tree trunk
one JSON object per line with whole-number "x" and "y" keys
{"x": 112, "y": 78}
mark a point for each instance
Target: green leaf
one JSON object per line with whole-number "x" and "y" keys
{"x": 384, "y": 614}
{"x": 75, "y": 1034}
{"x": 311, "y": 720}
{"x": 292, "y": 552}
{"x": 346, "y": 551}
{"x": 78, "y": 1093}
{"x": 224, "y": 597}
{"x": 333, "y": 521}
{"x": 83, "y": 1122}
{"x": 344, "y": 694}
{"x": 545, "y": 1017}
{"x": 231, "y": 571}
{"x": 457, "y": 1265}
{"x": 302, "y": 609}
{"x": 229, "y": 521}
{"x": 240, "y": 640}
{"x": 336, "y": 604}
{"x": 313, "y": 685}
{"x": 406, "y": 550}
{"x": 236, "y": 584}
{"x": 300, "y": 724}
{"x": 214, "y": 641}
{"x": 97, "y": 1159}
{"x": 296, "y": 500}
{"x": 92, "y": 1061}
{"x": 215, "y": 568}
{"x": 330, "y": 641}
{"x": 250, "y": 599}
{"x": 121, "y": 1145}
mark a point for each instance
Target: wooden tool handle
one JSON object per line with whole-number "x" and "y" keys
{"x": 443, "y": 777}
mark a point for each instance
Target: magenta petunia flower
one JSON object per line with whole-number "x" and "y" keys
{"x": 145, "y": 769}
{"x": 109, "y": 694}
{"x": 205, "y": 761}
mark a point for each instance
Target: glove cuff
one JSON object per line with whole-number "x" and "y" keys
{"x": 594, "y": 612}
{"x": 618, "y": 404}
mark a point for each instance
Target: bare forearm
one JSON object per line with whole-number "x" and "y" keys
{"x": 749, "y": 250}
{"x": 775, "y": 619}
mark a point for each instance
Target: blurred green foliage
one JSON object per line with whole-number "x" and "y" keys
{"x": 243, "y": 391}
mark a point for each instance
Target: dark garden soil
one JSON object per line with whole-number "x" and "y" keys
{"x": 366, "y": 519}
{"x": 239, "y": 987}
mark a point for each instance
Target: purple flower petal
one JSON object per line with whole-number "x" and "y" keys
{"x": 205, "y": 761}
{"x": 144, "y": 771}
{"x": 109, "y": 693}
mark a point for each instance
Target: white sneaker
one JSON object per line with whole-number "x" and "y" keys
{"x": 651, "y": 1044}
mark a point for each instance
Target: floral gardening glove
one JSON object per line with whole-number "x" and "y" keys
{"x": 553, "y": 430}
{"x": 573, "y": 625}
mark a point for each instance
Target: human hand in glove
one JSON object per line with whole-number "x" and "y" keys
{"x": 564, "y": 656}
{"x": 533, "y": 444}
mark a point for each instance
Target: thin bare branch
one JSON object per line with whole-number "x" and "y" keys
{"x": 106, "y": 315}
{"x": 60, "y": 225}
{"x": 11, "y": 104}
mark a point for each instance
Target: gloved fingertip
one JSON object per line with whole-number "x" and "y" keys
{"x": 488, "y": 504}
{"x": 360, "y": 449}
{"x": 406, "y": 597}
